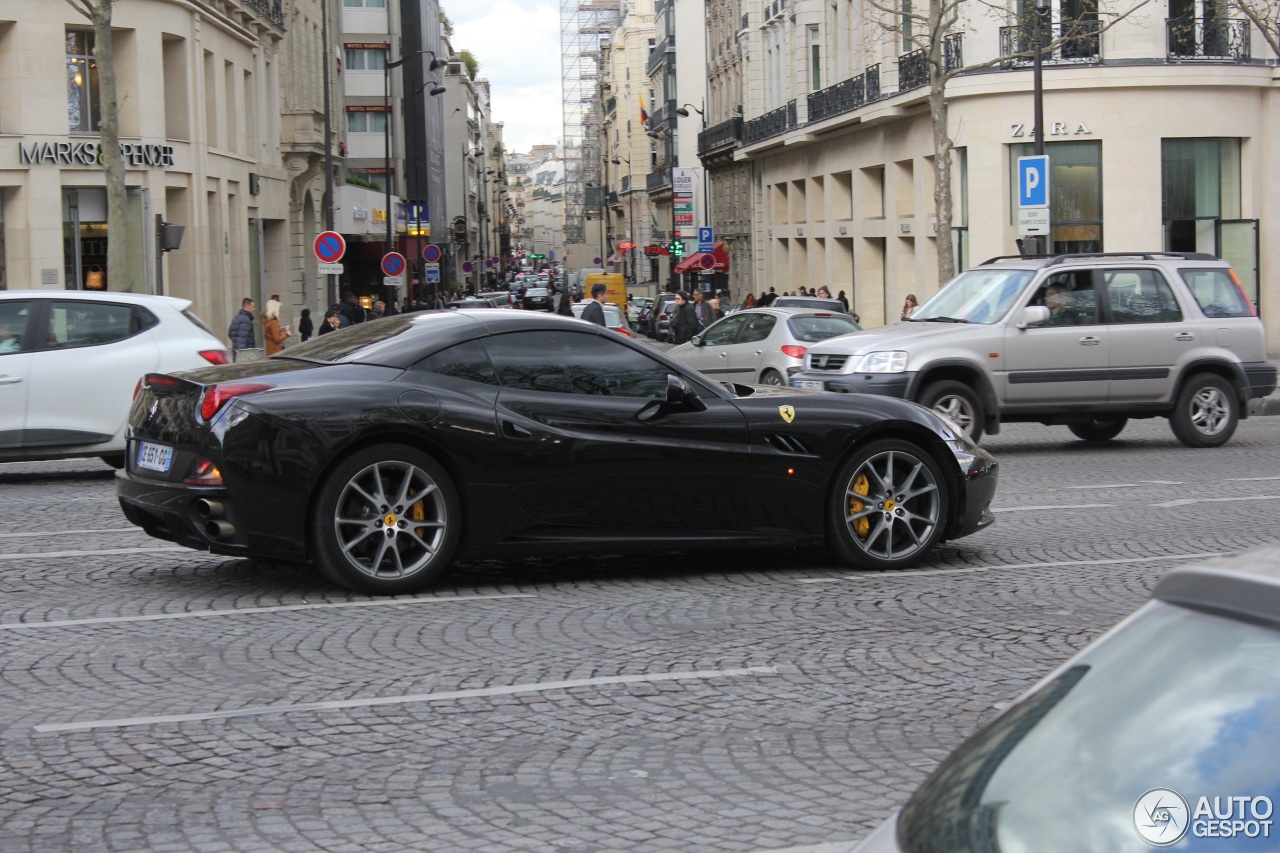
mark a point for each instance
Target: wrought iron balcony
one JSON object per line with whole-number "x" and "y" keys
{"x": 662, "y": 115}
{"x": 272, "y": 10}
{"x": 845, "y": 96}
{"x": 770, "y": 124}
{"x": 659, "y": 180}
{"x": 1208, "y": 39}
{"x": 660, "y": 52}
{"x": 723, "y": 135}
{"x": 913, "y": 67}
{"x": 1076, "y": 42}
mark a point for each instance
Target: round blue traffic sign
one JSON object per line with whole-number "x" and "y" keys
{"x": 330, "y": 246}
{"x": 431, "y": 253}
{"x": 467, "y": 266}
{"x": 707, "y": 261}
{"x": 393, "y": 264}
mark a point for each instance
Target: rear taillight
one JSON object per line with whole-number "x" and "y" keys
{"x": 215, "y": 356}
{"x": 158, "y": 383}
{"x": 203, "y": 473}
{"x": 622, "y": 331}
{"x": 136, "y": 389}
{"x": 794, "y": 351}
{"x": 217, "y": 396}
{"x": 1243, "y": 299}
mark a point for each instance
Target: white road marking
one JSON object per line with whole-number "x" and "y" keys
{"x": 281, "y": 608}
{"x": 972, "y": 569}
{"x": 1189, "y": 501}
{"x": 1163, "y": 482}
{"x": 412, "y": 698}
{"x": 52, "y": 533}
{"x": 1106, "y": 486}
{"x": 1048, "y": 507}
{"x": 47, "y": 555}
{"x": 1247, "y": 479}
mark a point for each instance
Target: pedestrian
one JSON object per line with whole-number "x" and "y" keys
{"x": 332, "y": 321}
{"x": 844, "y": 300}
{"x": 351, "y": 308}
{"x": 378, "y": 311}
{"x": 823, "y": 292}
{"x": 594, "y": 311}
{"x": 240, "y": 332}
{"x": 273, "y": 334}
{"x": 703, "y": 313}
{"x": 565, "y": 306}
{"x": 393, "y": 310}
{"x": 305, "y": 327}
{"x": 909, "y": 305}
{"x": 684, "y": 325}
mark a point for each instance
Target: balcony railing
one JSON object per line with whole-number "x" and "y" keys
{"x": 845, "y": 96}
{"x": 658, "y": 180}
{"x": 723, "y": 135}
{"x": 659, "y": 52}
{"x": 770, "y": 124}
{"x": 1208, "y": 39}
{"x": 913, "y": 67}
{"x": 272, "y": 10}
{"x": 662, "y": 115}
{"x": 1069, "y": 42}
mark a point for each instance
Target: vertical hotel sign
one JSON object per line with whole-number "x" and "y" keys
{"x": 682, "y": 198}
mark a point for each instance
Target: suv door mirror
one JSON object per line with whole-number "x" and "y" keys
{"x": 1033, "y": 315}
{"x": 696, "y": 340}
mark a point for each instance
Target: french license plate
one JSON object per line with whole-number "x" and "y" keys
{"x": 811, "y": 384}
{"x": 155, "y": 457}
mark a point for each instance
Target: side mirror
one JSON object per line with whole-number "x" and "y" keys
{"x": 1033, "y": 315}
{"x": 696, "y": 340}
{"x": 681, "y": 393}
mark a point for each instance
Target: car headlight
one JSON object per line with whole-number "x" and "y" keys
{"x": 882, "y": 362}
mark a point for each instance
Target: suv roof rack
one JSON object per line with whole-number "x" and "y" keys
{"x": 1053, "y": 260}
{"x": 1014, "y": 258}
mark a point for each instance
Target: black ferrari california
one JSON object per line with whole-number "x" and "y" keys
{"x": 383, "y": 452}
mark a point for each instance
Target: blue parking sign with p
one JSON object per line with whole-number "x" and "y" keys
{"x": 1033, "y": 181}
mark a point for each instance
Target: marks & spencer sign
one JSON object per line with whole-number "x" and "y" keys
{"x": 89, "y": 153}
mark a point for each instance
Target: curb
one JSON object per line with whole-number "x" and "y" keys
{"x": 1265, "y": 406}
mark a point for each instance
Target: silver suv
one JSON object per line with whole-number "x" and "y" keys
{"x": 1088, "y": 341}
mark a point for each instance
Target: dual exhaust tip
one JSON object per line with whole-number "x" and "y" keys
{"x": 212, "y": 511}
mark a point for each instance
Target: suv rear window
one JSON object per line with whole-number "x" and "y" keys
{"x": 1217, "y": 293}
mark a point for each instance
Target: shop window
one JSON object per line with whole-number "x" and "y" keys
{"x": 1075, "y": 194}
{"x": 366, "y": 59}
{"x": 366, "y": 122}
{"x": 1201, "y": 185}
{"x": 365, "y": 4}
{"x": 83, "y": 107}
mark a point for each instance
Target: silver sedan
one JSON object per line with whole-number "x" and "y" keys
{"x": 760, "y": 345}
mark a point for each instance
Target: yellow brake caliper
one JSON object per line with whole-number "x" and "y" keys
{"x": 862, "y": 486}
{"x": 418, "y": 513}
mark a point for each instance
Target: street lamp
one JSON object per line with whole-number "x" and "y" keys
{"x": 683, "y": 112}
{"x": 631, "y": 217}
{"x": 436, "y": 64}
{"x": 1041, "y": 244}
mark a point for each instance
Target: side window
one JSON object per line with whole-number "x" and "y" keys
{"x": 725, "y": 331}
{"x": 758, "y": 328}
{"x": 13, "y": 324}
{"x": 575, "y": 363}
{"x": 1217, "y": 293}
{"x": 87, "y": 324}
{"x": 1140, "y": 296}
{"x": 1070, "y": 298}
{"x": 466, "y": 360}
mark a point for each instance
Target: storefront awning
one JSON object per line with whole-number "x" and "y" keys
{"x": 719, "y": 255}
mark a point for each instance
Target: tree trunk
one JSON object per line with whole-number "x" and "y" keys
{"x": 942, "y": 201}
{"x": 112, "y": 161}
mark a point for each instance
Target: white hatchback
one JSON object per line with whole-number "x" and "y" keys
{"x": 70, "y": 361}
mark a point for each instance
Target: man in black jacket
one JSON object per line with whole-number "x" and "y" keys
{"x": 594, "y": 310}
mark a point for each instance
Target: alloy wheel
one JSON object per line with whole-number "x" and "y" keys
{"x": 390, "y": 520}
{"x": 892, "y": 505}
{"x": 1210, "y": 410}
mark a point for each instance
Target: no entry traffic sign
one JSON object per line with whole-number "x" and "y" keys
{"x": 393, "y": 264}
{"x": 330, "y": 246}
{"x": 431, "y": 253}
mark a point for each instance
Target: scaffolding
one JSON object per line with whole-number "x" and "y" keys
{"x": 584, "y": 26}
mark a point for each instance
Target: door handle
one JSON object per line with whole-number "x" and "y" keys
{"x": 1185, "y": 336}
{"x": 759, "y": 352}
{"x": 10, "y": 380}
{"x": 1090, "y": 341}
{"x": 513, "y": 430}
{"x": 724, "y": 355}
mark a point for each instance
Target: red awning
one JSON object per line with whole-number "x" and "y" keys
{"x": 693, "y": 263}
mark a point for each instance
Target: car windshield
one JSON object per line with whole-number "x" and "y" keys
{"x": 981, "y": 295}
{"x": 1177, "y": 699}
{"x": 811, "y": 328}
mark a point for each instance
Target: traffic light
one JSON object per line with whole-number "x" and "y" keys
{"x": 676, "y": 249}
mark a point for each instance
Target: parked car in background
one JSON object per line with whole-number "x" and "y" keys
{"x": 652, "y": 322}
{"x": 760, "y": 345}
{"x": 472, "y": 302}
{"x": 1121, "y": 747}
{"x": 71, "y": 360}
{"x": 501, "y": 298}
{"x": 1087, "y": 341}
{"x": 612, "y": 317}
{"x": 813, "y": 303}
{"x": 636, "y": 309}
{"x": 537, "y": 298}
{"x": 662, "y": 317}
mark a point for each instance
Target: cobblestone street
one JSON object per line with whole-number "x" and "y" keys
{"x": 155, "y": 698}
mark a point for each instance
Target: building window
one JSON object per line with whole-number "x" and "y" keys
{"x": 368, "y": 4}
{"x": 815, "y": 59}
{"x": 366, "y": 122}
{"x": 1075, "y": 193}
{"x": 366, "y": 59}
{"x": 906, "y": 26}
{"x": 83, "y": 109}
{"x": 1201, "y": 185}
{"x": 377, "y": 177}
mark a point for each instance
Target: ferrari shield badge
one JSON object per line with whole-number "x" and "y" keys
{"x": 788, "y": 413}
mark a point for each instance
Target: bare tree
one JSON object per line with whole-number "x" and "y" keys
{"x": 99, "y": 13}
{"x": 928, "y": 31}
{"x": 1265, "y": 15}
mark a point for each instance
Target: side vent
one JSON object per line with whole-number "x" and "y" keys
{"x": 788, "y": 444}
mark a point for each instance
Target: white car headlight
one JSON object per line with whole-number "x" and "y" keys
{"x": 882, "y": 362}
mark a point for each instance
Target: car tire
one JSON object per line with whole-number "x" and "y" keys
{"x": 956, "y": 401}
{"x": 1206, "y": 413}
{"x": 1098, "y": 429}
{"x": 888, "y": 506}
{"x": 771, "y": 377}
{"x": 349, "y": 526}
